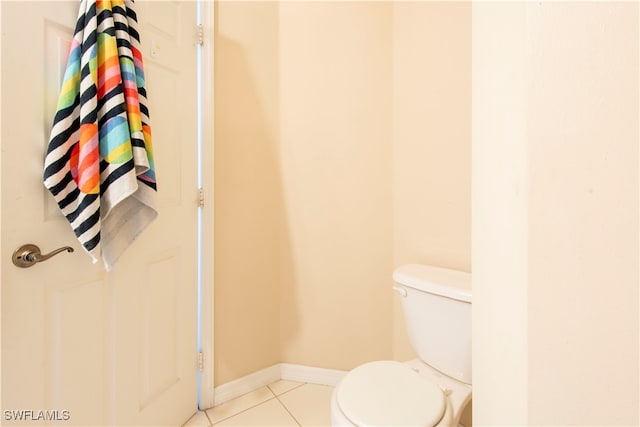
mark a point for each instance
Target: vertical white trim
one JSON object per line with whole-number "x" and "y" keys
{"x": 206, "y": 385}
{"x": 500, "y": 192}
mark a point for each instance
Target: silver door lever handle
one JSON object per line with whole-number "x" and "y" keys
{"x": 28, "y": 255}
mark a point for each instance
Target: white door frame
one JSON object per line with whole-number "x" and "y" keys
{"x": 207, "y": 290}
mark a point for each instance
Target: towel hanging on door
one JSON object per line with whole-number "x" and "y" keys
{"x": 99, "y": 162}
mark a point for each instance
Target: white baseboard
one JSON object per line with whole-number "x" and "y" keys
{"x": 284, "y": 371}
{"x": 246, "y": 384}
{"x": 310, "y": 374}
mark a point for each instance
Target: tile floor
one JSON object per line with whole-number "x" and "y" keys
{"x": 283, "y": 403}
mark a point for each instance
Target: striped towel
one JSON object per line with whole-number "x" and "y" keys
{"x": 99, "y": 163}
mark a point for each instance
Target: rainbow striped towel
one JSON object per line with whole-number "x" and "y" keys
{"x": 99, "y": 163}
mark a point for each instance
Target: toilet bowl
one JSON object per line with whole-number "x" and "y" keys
{"x": 432, "y": 390}
{"x": 390, "y": 393}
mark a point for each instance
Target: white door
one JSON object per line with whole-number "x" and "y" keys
{"x": 98, "y": 348}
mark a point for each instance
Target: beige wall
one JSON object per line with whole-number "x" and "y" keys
{"x": 555, "y": 198}
{"x": 583, "y": 214}
{"x": 303, "y": 185}
{"x": 248, "y": 201}
{"x": 431, "y": 141}
{"x": 499, "y": 221}
{"x": 336, "y": 124}
{"x": 335, "y": 149}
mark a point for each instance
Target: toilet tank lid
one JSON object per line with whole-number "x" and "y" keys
{"x": 435, "y": 280}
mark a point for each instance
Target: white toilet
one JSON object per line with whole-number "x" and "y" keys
{"x": 432, "y": 390}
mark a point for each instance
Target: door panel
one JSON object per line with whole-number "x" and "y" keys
{"x": 70, "y": 372}
{"x": 114, "y": 348}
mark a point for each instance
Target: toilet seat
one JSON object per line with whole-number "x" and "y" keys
{"x": 386, "y": 393}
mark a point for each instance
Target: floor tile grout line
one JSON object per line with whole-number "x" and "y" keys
{"x": 274, "y": 396}
{"x": 285, "y": 392}
{"x": 246, "y": 409}
{"x": 282, "y": 403}
{"x": 288, "y": 411}
{"x": 208, "y": 419}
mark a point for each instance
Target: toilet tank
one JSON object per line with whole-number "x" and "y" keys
{"x": 437, "y": 312}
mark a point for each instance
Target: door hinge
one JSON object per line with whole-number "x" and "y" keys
{"x": 200, "y": 361}
{"x": 201, "y": 197}
{"x": 200, "y": 35}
